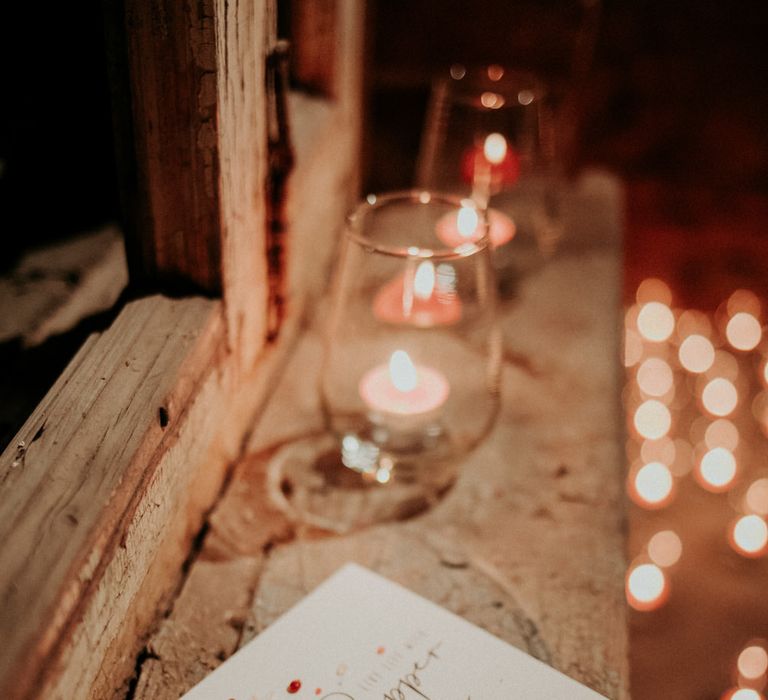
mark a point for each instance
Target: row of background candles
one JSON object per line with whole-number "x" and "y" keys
{"x": 697, "y": 406}
{"x": 466, "y": 155}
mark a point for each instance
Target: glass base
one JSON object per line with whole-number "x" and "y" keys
{"x": 311, "y": 484}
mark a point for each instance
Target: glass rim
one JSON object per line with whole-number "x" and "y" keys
{"x": 418, "y": 196}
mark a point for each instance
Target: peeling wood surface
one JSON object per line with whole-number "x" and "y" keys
{"x": 528, "y": 544}
{"x": 68, "y": 489}
{"x": 171, "y": 179}
{"x": 105, "y": 488}
{"x": 243, "y": 29}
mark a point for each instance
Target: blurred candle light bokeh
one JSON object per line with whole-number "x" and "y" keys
{"x": 696, "y": 400}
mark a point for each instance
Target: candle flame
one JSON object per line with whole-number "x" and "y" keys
{"x": 402, "y": 371}
{"x": 424, "y": 280}
{"x": 495, "y": 148}
{"x": 466, "y": 221}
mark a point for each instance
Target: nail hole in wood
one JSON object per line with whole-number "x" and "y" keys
{"x": 162, "y": 413}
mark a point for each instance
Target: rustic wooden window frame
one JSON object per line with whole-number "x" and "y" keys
{"x": 107, "y": 484}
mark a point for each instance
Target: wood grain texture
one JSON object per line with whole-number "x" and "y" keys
{"x": 528, "y": 544}
{"x": 172, "y": 183}
{"x": 193, "y": 638}
{"x": 243, "y": 30}
{"x": 106, "y": 486}
{"x": 70, "y": 478}
{"x": 195, "y": 183}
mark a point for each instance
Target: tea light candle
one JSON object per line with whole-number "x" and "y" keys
{"x": 402, "y": 394}
{"x": 496, "y": 161}
{"x": 419, "y": 297}
{"x": 453, "y": 229}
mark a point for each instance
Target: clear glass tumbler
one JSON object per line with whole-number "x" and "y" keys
{"x": 410, "y": 379}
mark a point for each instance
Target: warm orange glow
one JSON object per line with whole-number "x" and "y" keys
{"x": 652, "y": 419}
{"x": 722, "y": 433}
{"x": 654, "y": 377}
{"x": 662, "y": 450}
{"x": 725, "y": 365}
{"x": 646, "y": 587}
{"x": 633, "y": 348}
{"x": 652, "y": 485}
{"x": 696, "y": 353}
{"x": 495, "y": 148}
{"x": 424, "y": 280}
{"x": 765, "y": 372}
{"x": 683, "y": 458}
{"x": 495, "y": 72}
{"x": 743, "y": 300}
{"x": 743, "y": 331}
{"x": 653, "y": 289}
{"x": 756, "y": 498}
{"x": 692, "y": 322}
{"x": 749, "y": 536}
{"x": 752, "y": 662}
{"x": 665, "y": 548}
{"x": 760, "y": 410}
{"x": 402, "y": 371}
{"x": 630, "y": 317}
{"x": 467, "y": 221}
{"x": 717, "y": 469}
{"x": 720, "y": 397}
{"x": 655, "y": 321}
{"x": 491, "y": 100}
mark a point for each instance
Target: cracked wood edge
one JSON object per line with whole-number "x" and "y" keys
{"x": 188, "y": 83}
{"x": 103, "y": 501}
{"x": 242, "y": 30}
{"x": 165, "y": 74}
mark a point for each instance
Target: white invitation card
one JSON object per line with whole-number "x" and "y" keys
{"x": 359, "y": 636}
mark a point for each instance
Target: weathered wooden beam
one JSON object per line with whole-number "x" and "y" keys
{"x": 244, "y": 35}
{"x": 138, "y": 457}
{"x": 314, "y": 38}
{"x": 191, "y": 114}
{"x": 105, "y": 487}
{"x": 77, "y": 474}
{"x": 171, "y": 183}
